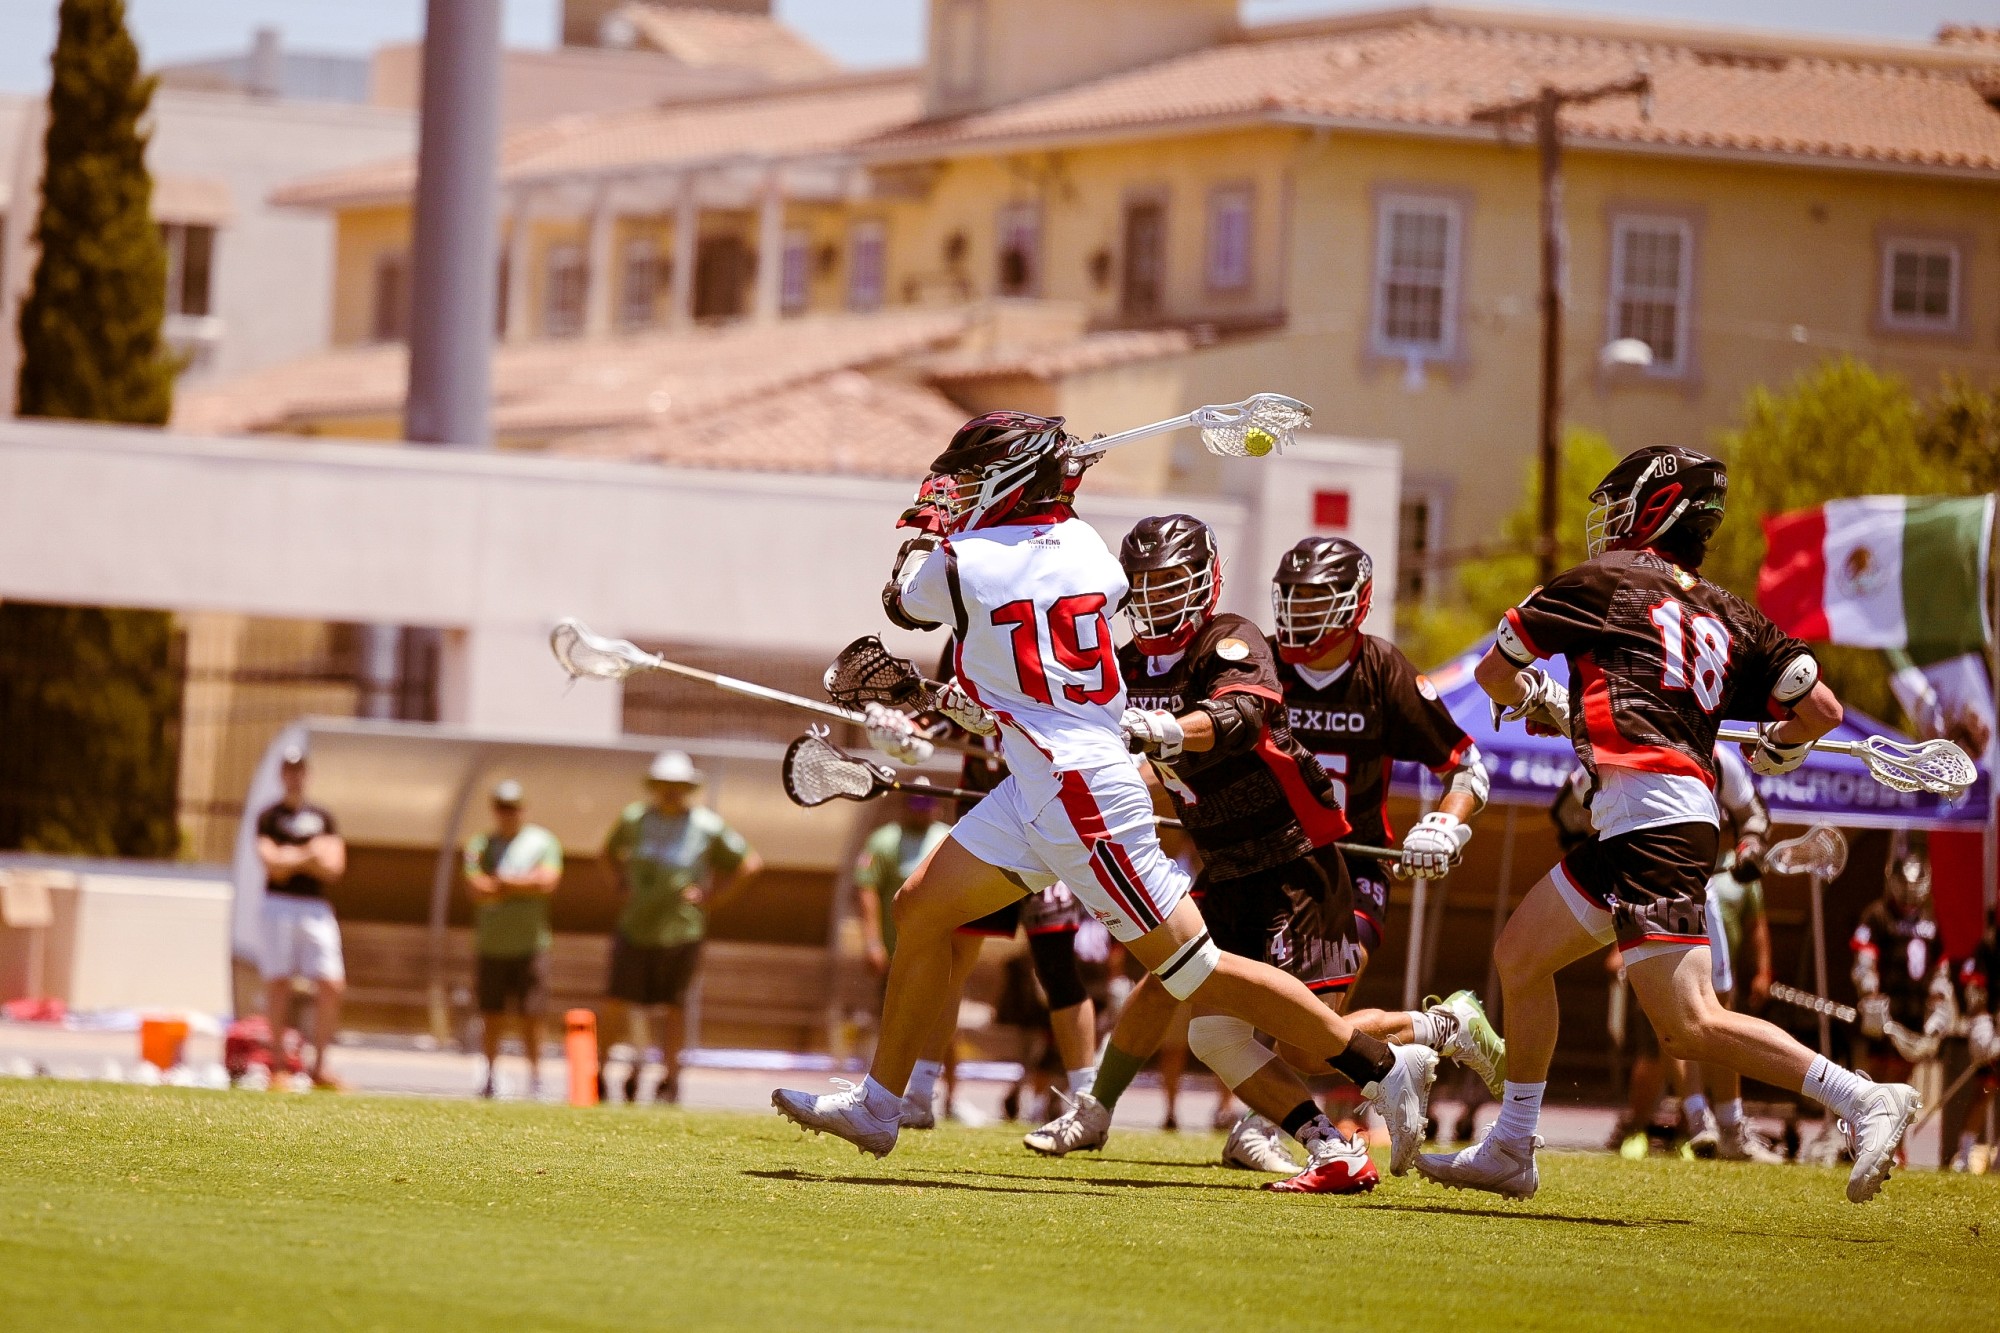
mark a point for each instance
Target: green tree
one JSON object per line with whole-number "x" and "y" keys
{"x": 90, "y": 697}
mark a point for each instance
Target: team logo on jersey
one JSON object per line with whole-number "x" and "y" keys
{"x": 1862, "y": 572}
{"x": 1232, "y": 650}
{"x": 1425, "y": 688}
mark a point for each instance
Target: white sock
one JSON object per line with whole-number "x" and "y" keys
{"x": 1692, "y": 1107}
{"x": 1834, "y": 1088}
{"x": 1520, "y": 1112}
{"x": 1729, "y": 1114}
{"x": 1429, "y": 1029}
{"x": 924, "y": 1075}
{"x": 1081, "y": 1079}
{"x": 881, "y": 1103}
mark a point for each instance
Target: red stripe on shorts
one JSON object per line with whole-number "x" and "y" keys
{"x": 1073, "y": 792}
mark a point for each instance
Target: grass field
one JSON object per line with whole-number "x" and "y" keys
{"x": 132, "y": 1208}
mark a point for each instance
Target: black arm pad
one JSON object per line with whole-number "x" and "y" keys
{"x": 1238, "y": 720}
{"x": 892, "y": 605}
{"x": 912, "y": 554}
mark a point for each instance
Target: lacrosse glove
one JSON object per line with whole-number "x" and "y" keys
{"x": 1433, "y": 846}
{"x": 1983, "y": 1041}
{"x": 1771, "y": 756}
{"x": 1874, "y": 1011}
{"x": 963, "y": 709}
{"x": 1153, "y": 732}
{"x": 1544, "y": 707}
{"x": 895, "y": 735}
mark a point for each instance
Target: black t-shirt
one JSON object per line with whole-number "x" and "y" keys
{"x": 1376, "y": 711}
{"x": 290, "y": 826}
{"x": 1658, "y": 658}
{"x": 1253, "y": 807}
{"x": 1907, "y": 954}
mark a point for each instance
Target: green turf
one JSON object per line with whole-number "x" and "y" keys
{"x": 123, "y": 1207}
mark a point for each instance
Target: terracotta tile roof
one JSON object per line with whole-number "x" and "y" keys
{"x": 773, "y": 123}
{"x": 709, "y": 39}
{"x": 1428, "y": 69}
{"x": 565, "y": 387}
{"x": 848, "y": 422}
{"x": 1053, "y": 360}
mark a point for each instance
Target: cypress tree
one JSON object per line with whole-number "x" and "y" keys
{"x": 90, "y": 697}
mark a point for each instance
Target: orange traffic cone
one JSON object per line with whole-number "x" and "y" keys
{"x": 580, "y": 1049}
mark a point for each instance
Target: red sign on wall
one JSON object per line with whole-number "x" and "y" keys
{"x": 1330, "y": 509}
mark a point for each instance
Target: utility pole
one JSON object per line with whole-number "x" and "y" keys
{"x": 1545, "y": 108}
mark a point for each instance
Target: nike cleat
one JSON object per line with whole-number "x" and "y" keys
{"x": 1884, "y": 1114}
{"x": 1741, "y": 1142}
{"x": 919, "y": 1113}
{"x": 1336, "y": 1165}
{"x": 1400, "y": 1100}
{"x": 1506, "y": 1169}
{"x": 1255, "y": 1144}
{"x": 1706, "y": 1140}
{"x": 844, "y": 1114}
{"x": 1473, "y": 1043}
{"x": 1084, "y": 1127}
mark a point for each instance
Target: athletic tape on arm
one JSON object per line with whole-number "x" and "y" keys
{"x": 1471, "y": 779}
{"x": 1191, "y": 965}
{"x": 1229, "y": 1047}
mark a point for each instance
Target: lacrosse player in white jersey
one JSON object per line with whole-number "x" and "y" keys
{"x": 1029, "y": 590}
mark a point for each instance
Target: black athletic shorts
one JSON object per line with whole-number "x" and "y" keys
{"x": 1371, "y": 900}
{"x": 1648, "y": 888}
{"x": 651, "y": 974}
{"x": 520, "y": 984}
{"x": 1298, "y": 917}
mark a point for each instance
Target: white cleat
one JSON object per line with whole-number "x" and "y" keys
{"x": 1255, "y": 1144}
{"x": 1741, "y": 1142}
{"x": 1705, "y": 1138}
{"x": 1083, "y": 1127}
{"x": 1400, "y": 1100}
{"x": 1506, "y": 1169}
{"x": 1473, "y": 1043}
{"x": 844, "y": 1114}
{"x": 1885, "y": 1112}
{"x": 919, "y": 1113}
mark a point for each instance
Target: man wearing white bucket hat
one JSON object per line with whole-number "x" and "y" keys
{"x": 674, "y": 859}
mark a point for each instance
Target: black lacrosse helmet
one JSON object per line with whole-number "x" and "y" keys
{"x": 1168, "y": 612}
{"x": 998, "y": 462}
{"x": 1320, "y": 595}
{"x": 1652, "y": 491}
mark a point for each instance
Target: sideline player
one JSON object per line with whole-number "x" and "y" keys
{"x": 1028, "y": 590}
{"x": 1897, "y": 960}
{"x": 1659, "y": 656}
{"x": 1265, "y": 818}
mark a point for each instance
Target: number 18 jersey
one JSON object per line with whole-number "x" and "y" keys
{"x": 1030, "y": 604}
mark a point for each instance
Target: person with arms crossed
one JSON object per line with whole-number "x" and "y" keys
{"x": 303, "y": 853}
{"x": 1028, "y": 590}
{"x": 1658, "y": 657}
{"x": 511, "y": 872}
{"x": 675, "y": 861}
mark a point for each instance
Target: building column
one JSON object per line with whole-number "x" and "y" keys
{"x": 520, "y": 275}
{"x": 770, "y": 250}
{"x": 687, "y": 235}
{"x": 600, "y": 272}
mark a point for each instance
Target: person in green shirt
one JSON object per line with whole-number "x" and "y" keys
{"x": 674, "y": 860}
{"x": 510, "y": 873}
{"x": 890, "y": 855}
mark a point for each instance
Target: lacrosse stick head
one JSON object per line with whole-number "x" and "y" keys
{"x": 1821, "y": 851}
{"x": 582, "y": 653}
{"x": 866, "y": 672}
{"x": 1263, "y": 423}
{"x": 1939, "y": 767}
{"x": 817, "y": 771}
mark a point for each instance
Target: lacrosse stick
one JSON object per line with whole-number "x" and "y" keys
{"x": 1818, "y": 1004}
{"x": 1904, "y": 1038}
{"x": 582, "y": 653}
{"x": 1820, "y": 854}
{"x": 866, "y": 672}
{"x": 1261, "y": 424}
{"x": 1938, "y": 766}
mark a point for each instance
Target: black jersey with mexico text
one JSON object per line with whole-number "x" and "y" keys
{"x": 1377, "y": 710}
{"x": 1250, "y": 809}
{"x": 1658, "y": 658}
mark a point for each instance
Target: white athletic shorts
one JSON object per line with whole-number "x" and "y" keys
{"x": 1095, "y": 833}
{"x": 301, "y": 939}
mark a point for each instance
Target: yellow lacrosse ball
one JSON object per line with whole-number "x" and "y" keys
{"x": 1257, "y": 442}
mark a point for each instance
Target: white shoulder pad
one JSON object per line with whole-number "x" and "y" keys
{"x": 1795, "y": 682}
{"x": 1510, "y": 645}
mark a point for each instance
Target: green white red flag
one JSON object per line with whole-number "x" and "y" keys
{"x": 1882, "y": 571}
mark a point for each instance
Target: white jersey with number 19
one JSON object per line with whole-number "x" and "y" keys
{"x": 1030, "y": 602}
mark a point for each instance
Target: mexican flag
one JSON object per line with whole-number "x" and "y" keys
{"x": 1881, "y": 571}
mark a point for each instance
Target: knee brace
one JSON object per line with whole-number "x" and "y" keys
{"x": 1190, "y": 965}
{"x": 1229, "y": 1047}
{"x": 1054, "y": 955}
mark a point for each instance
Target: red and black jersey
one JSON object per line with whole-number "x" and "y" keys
{"x": 1252, "y": 807}
{"x": 1907, "y": 955}
{"x": 1377, "y": 709}
{"x": 1658, "y": 658}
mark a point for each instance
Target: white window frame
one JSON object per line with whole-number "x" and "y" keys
{"x": 1424, "y": 571}
{"x": 1021, "y": 220}
{"x": 1929, "y": 247}
{"x": 1226, "y": 271}
{"x": 1623, "y": 225}
{"x": 1387, "y": 206}
{"x": 867, "y": 280}
{"x": 558, "y": 265}
{"x": 795, "y": 271}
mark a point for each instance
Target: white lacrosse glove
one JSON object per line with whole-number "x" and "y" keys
{"x": 1983, "y": 1041}
{"x": 895, "y": 735}
{"x": 1152, "y": 731}
{"x": 1874, "y": 1011}
{"x": 1433, "y": 847}
{"x": 1770, "y": 756}
{"x": 963, "y": 709}
{"x": 1544, "y": 705}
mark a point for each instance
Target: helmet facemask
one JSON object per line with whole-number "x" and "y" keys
{"x": 1910, "y": 882}
{"x": 1169, "y": 606}
{"x": 970, "y": 499}
{"x": 1314, "y": 619}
